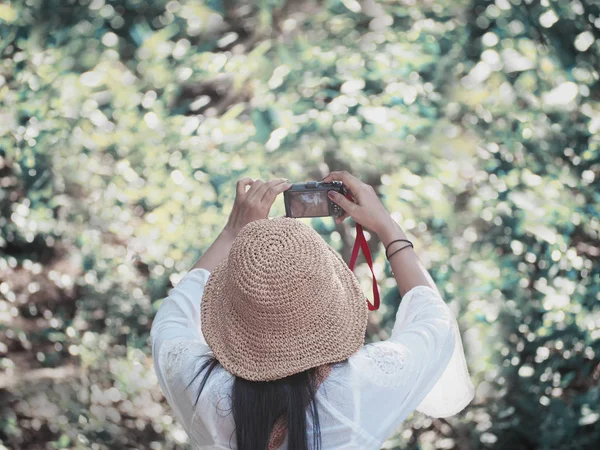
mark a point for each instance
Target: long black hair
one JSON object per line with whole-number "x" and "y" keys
{"x": 256, "y": 405}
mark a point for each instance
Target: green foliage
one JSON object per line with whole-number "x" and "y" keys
{"x": 124, "y": 125}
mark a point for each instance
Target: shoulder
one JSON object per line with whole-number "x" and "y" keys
{"x": 177, "y": 357}
{"x": 182, "y": 365}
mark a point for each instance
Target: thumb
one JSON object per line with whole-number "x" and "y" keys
{"x": 339, "y": 199}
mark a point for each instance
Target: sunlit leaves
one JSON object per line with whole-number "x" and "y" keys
{"x": 124, "y": 125}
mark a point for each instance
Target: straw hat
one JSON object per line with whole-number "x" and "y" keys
{"x": 283, "y": 301}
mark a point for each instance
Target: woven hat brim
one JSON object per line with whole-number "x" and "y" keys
{"x": 241, "y": 349}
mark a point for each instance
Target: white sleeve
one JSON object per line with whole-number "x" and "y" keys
{"x": 421, "y": 366}
{"x": 179, "y": 314}
{"x": 453, "y": 389}
{"x": 177, "y": 339}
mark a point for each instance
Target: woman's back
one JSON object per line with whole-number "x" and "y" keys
{"x": 362, "y": 401}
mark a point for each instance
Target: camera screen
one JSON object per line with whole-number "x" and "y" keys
{"x": 309, "y": 204}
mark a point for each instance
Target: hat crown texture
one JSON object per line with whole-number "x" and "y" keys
{"x": 273, "y": 262}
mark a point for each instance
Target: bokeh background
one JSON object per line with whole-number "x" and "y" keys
{"x": 124, "y": 125}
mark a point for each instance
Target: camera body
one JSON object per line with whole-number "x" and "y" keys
{"x": 310, "y": 199}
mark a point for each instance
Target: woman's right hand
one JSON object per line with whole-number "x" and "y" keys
{"x": 366, "y": 208}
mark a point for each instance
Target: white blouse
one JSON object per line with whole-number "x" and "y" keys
{"x": 361, "y": 403}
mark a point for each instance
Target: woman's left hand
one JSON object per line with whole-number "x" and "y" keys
{"x": 255, "y": 203}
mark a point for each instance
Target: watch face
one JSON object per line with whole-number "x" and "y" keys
{"x": 309, "y": 204}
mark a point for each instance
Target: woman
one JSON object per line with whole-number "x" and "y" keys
{"x": 261, "y": 344}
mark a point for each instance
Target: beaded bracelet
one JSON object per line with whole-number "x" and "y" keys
{"x": 406, "y": 246}
{"x": 397, "y": 240}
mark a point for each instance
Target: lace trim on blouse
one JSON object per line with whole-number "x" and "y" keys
{"x": 173, "y": 356}
{"x": 384, "y": 363}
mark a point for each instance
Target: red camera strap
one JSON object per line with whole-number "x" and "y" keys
{"x": 361, "y": 243}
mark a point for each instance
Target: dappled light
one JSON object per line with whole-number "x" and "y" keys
{"x": 124, "y": 125}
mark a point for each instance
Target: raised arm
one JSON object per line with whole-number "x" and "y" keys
{"x": 178, "y": 319}
{"x": 179, "y": 314}
{"x": 368, "y": 210}
{"x": 423, "y": 361}
{"x": 248, "y": 206}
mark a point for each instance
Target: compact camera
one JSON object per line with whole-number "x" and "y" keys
{"x": 310, "y": 199}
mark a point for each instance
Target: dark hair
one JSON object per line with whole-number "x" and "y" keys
{"x": 256, "y": 405}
